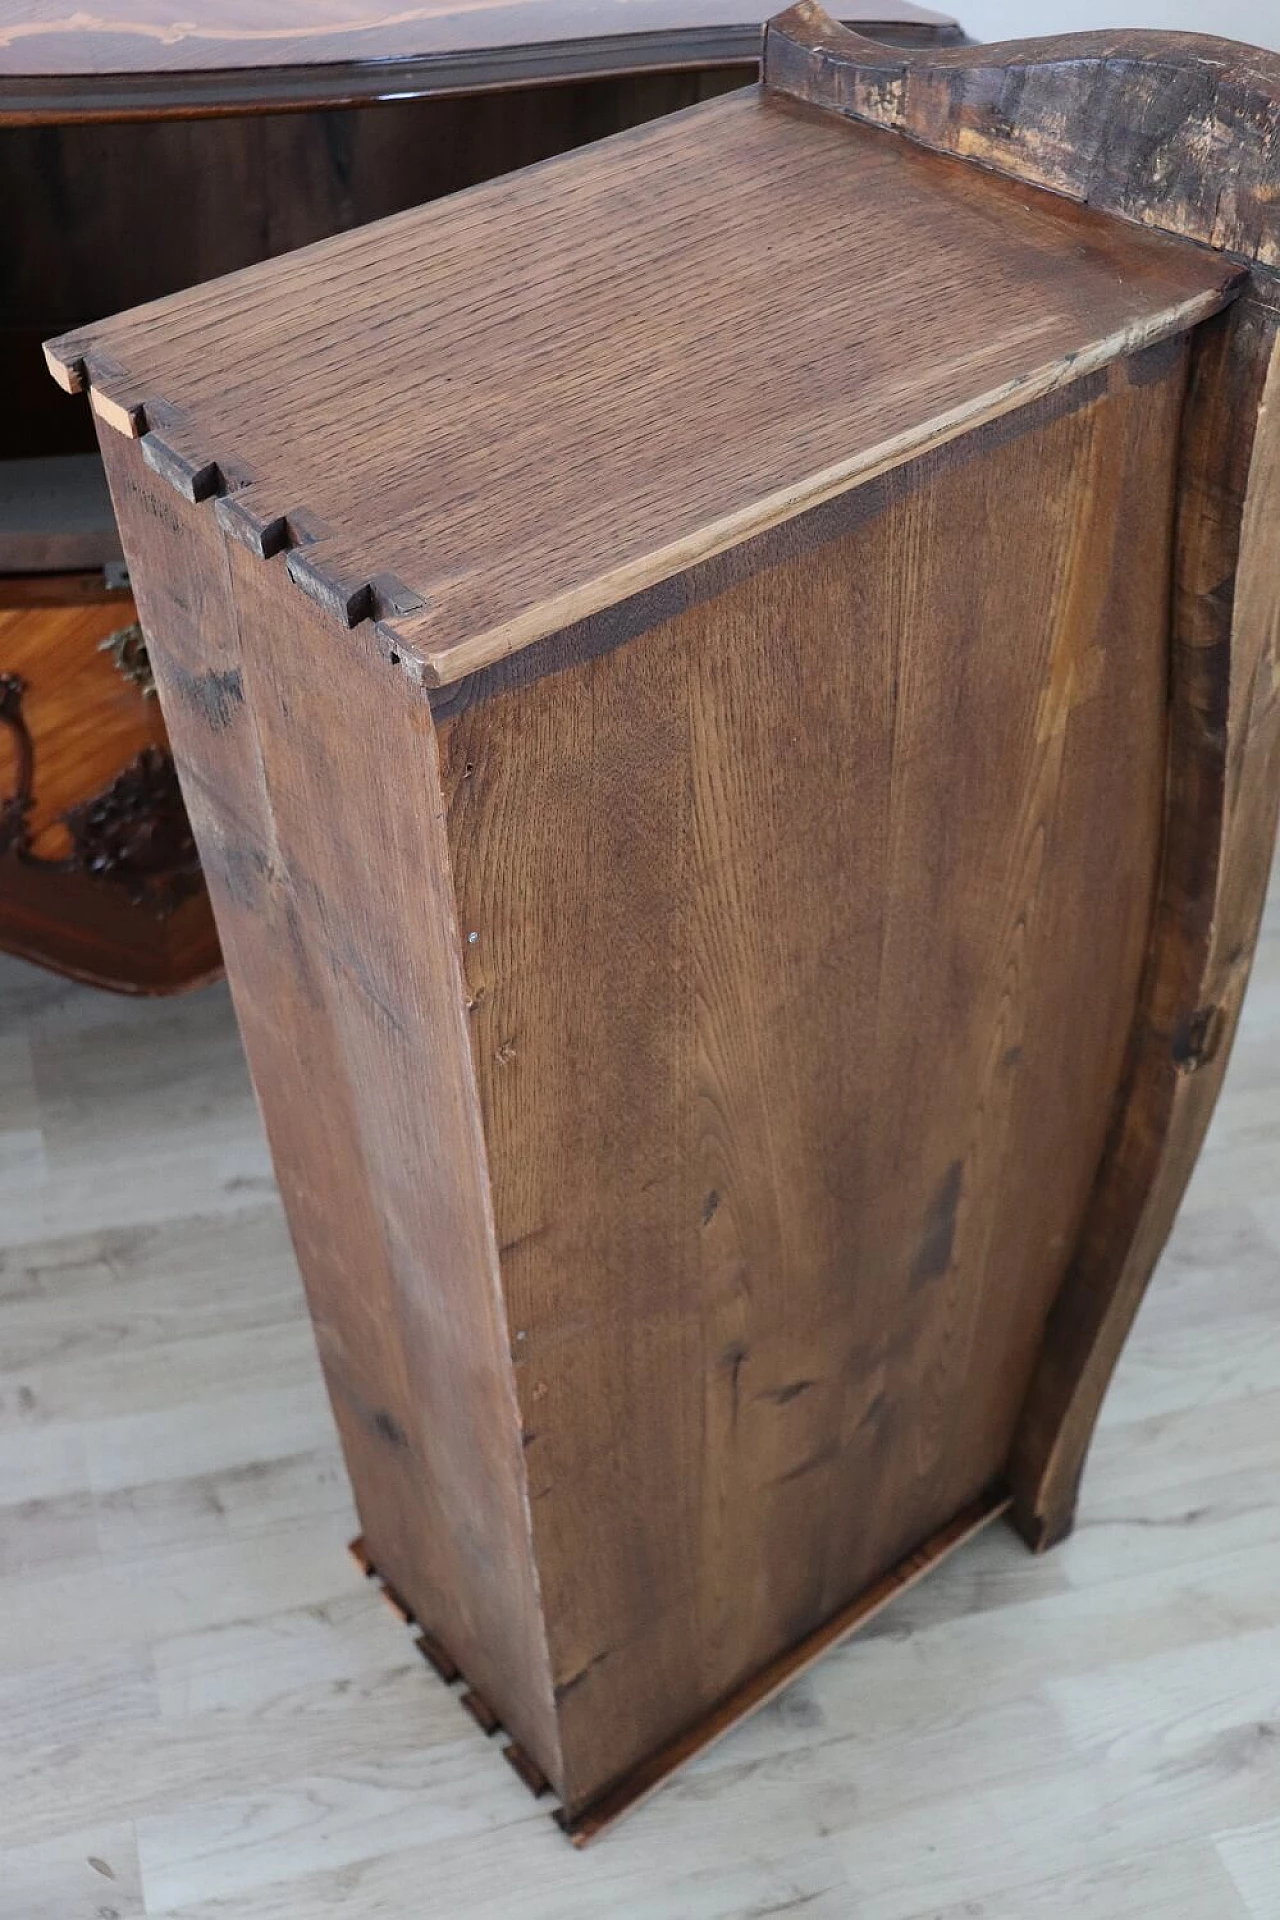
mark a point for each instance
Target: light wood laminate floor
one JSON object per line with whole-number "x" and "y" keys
{"x": 206, "y": 1712}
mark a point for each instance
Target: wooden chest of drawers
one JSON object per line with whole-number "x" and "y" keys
{"x": 728, "y": 695}
{"x": 99, "y": 874}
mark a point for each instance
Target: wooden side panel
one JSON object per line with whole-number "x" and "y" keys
{"x": 1223, "y": 792}
{"x": 808, "y": 930}
{"x": 310, "y": 770}
{"x": 1179, "y": 132}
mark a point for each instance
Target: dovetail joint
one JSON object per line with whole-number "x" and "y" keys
{"x": 481, "y": 1712}
{"x": 435, "y": 1656}
{"x": 532, "y": 1775}
{"x": 399, "y": 1607}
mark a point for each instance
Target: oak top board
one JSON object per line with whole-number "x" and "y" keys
{"x": 497, "y": 414}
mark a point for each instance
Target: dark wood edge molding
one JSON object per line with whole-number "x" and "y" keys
{"x": 1181, "y": 133}
{"x": 60, "y": 99}
{"x": 1176, "y": 130}
{"x": 1222, "y": 793}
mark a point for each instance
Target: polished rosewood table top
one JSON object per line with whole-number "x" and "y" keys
{"x": 60, "y": 61}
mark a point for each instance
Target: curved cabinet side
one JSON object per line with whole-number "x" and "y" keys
{"x": 1222, "y": 795}
{"x": 1180, "y": 132}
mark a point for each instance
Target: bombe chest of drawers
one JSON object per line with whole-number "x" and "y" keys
{"x": 727, "y": 690}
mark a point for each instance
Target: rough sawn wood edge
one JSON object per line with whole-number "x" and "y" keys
{"x": 1177, "y": 131}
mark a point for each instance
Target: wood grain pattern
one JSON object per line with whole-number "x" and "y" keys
{"x": 201, "y": 1692}
{"x": 251, "y": 185}
{"x": 623, "y": 1689}
{"x": 213, "y": 194}
{"x": 1223, "y": 792}
{"x": 402, "y": 1280}
{"x": 1139, "y": 125}
{"x": 1175, "y": 130}
{"x": 681, "y": 448}
{"x": 764, "y": 1686}
{"x": 770, "y": 1186}
{"x": 713, "y": 936}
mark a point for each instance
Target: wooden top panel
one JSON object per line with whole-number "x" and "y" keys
{"x": 500, "y": 413}
{"x": 159, "y": 35}
{"x": 58, "y": 63}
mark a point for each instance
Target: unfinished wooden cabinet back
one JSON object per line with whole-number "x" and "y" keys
{"x": 727, "y": 690}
